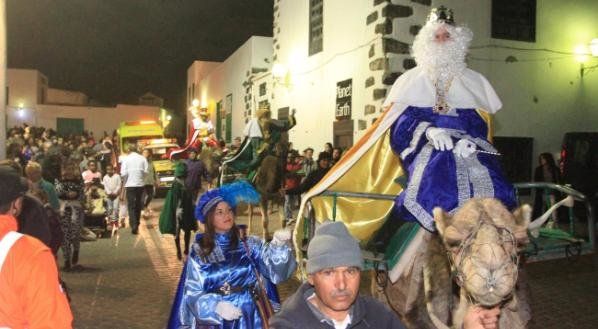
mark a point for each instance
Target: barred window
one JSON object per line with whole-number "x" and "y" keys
{"x": 316, "y": 24}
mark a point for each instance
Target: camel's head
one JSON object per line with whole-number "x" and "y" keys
{"x": 483, "y": 238}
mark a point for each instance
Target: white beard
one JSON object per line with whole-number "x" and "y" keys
{"x": 441, "y": 61}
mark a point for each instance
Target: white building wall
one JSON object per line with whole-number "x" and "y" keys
{"x": 25, "y": 87}
{"x": 196, "y": 72}
{"x": 232, "y": 77}
{"x": 65, "y": 97}
{"x": 96, "y": 119}
{"x": 313, "y": 79}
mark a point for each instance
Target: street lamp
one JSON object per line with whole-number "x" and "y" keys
{"x": 21, "y": 110}
{"x": 582, "y": 55}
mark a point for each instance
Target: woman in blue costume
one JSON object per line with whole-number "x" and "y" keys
{"x": 215, "y": 290}
{"x": 440, "y": 134}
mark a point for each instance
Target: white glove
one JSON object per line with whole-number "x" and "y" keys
{"x": 440, "y": 138}
{"x": 179, "y": 213}
{"x": 464, "y": 148}
{"x": 281, "y": 237}
{"x": 228, "y": 311}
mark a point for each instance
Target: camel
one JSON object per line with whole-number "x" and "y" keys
{"x": 268, "y": 181}
{"x": 472, "y": 260}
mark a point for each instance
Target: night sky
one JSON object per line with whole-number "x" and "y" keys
{"x": 116, "y": 50}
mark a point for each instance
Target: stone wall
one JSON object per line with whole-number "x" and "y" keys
{"x": 395, "y": 22}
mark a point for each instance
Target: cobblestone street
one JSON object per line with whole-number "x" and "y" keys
{"x": 130, "y": 283}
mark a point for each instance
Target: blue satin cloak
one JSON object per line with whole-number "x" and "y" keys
{"x": 439, "y": 178}
{"x": 195, "y": 299}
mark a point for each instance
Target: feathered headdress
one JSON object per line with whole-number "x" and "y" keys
{"x": 234, "y": 193}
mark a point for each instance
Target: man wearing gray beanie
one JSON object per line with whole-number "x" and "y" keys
{"x": 330, "y": 298}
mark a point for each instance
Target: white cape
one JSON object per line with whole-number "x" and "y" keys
{"x": 470, "y": 90}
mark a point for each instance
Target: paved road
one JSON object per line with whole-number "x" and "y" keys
{"x": 130, "y": 284}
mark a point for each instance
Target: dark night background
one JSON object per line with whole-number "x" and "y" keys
{"x": 116, "y": 50}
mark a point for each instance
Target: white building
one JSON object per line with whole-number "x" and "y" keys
{"x": 324, "y": 51}
{"x": 31, "y": 101}
{"x": 226, "y": 88}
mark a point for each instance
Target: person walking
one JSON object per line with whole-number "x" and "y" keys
{"x": 196, "y": 170}
{"x": 177, "y": 212}
{"x": 133, "y": 170}
{"x": 149, "y": 183}
{"x": 70, "y": 191}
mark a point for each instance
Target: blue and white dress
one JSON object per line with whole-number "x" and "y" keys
{"x": 440, "y": 178}
{"x": 202, "y": 280}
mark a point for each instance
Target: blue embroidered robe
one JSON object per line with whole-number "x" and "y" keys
{"x": 439, "y": 178}
{"x": 196, "y": 296}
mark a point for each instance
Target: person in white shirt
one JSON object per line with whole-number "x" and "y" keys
{"x": 133, "y": 170}
{"x": 112, "y": 186}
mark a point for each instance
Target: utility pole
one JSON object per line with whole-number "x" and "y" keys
{"x": 3, "y": 79}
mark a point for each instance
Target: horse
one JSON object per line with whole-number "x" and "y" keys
{"x": 472, "y": 260}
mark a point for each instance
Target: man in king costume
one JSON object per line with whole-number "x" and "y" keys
{"x": 441, "y": 135}
{"x": 434, "y": 132}
{"x": 201, "y": 132}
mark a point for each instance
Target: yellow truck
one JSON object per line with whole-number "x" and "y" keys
{"x": 150, "y": 135}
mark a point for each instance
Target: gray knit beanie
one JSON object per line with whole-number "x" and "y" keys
{"x": 333, "y": 246}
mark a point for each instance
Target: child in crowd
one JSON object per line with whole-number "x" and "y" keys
{"x": 112, "y": 187}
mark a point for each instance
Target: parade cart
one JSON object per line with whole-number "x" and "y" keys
{"x": 567, "y": 237}
{"x": 360, "y": 191}
{"x": 383, "y": 249}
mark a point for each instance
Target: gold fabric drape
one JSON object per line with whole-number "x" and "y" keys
{"x": 374, "y": 173}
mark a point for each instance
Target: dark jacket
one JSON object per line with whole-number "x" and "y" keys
{"x": 33, "y": 220}
{"x": 367, "y": 313}
{"x": 310, "y": 181}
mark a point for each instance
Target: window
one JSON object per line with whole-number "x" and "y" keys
{"x": 514, "y": 20}
{"x": 316, "y": 24}
{"x": 262, "y": 89}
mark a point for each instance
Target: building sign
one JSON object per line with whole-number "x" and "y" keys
{"x": 344, "y": 90}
